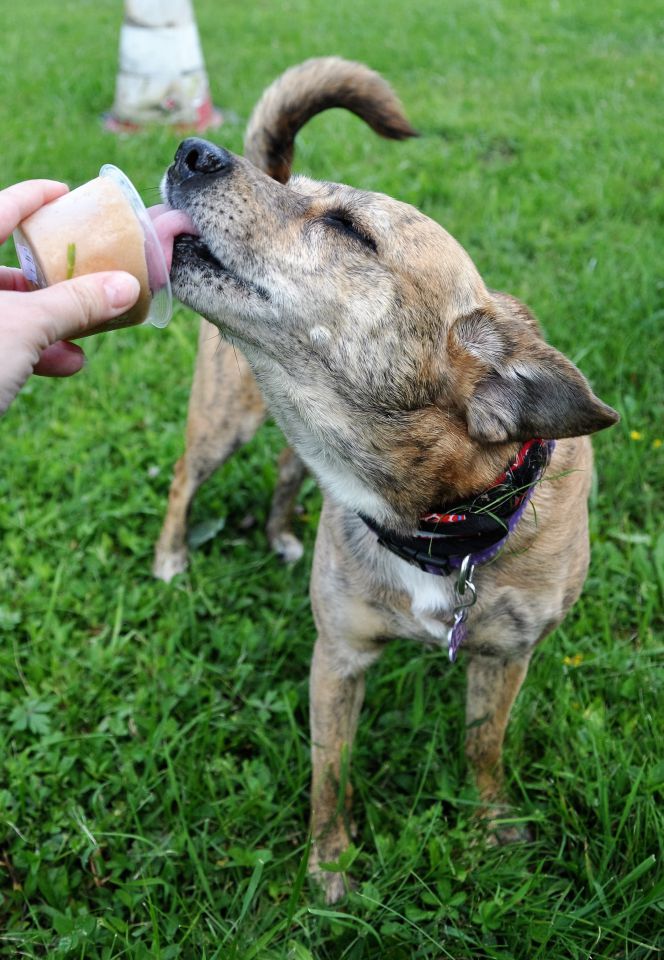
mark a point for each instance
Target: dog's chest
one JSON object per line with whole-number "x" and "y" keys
{"x": 430, "y": 600}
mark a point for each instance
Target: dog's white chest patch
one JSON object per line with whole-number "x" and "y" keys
{"x": 432, "y": 598}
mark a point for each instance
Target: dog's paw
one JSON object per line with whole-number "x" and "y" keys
{"x": 168, "y": 565}
{"x": 501, "y": 836}
{"x": 334, "y": 885}
{"x": 287, "y": 547}
{"x": 502, "y": 829}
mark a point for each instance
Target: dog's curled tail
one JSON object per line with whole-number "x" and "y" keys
{"x": 309, "y": 88}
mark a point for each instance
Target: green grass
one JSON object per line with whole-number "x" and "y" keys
{"x": 153, "y": 794}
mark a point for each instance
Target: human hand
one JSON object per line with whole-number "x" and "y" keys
{"x": 35, "y": 325}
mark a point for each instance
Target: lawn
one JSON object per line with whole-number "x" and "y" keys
{"x": 153, "y": 737}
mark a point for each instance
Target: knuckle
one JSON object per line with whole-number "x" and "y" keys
{"x": 85, "y": 299}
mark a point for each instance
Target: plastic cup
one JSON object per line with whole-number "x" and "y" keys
{"x": 101, "y": 225}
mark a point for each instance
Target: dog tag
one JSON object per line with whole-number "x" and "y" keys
{"x": 456, "y": 635}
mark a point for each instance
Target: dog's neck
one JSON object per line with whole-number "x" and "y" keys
{"x": 391, "y": 468}
{"x": 476, "y": 528}
{"x": 390, "y": 472}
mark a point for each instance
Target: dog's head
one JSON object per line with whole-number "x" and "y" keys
{"x": 372, "y": 333}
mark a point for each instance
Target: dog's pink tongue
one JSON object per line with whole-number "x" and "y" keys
{"x": 168, "y": 225}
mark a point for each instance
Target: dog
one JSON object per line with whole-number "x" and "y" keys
{"x": 449, "y": 439}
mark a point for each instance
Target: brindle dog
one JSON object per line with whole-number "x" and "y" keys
{"x": 405, "y": 385}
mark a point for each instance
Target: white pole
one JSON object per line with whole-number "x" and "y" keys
{"x": 162, "y": 76}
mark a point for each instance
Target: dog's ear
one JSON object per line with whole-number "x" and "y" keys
{"x": 517, "y": 386}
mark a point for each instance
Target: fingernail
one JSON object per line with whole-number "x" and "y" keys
{"x": 122, "y": 290}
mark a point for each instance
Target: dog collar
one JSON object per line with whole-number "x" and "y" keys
{"x": 461, "y": 536}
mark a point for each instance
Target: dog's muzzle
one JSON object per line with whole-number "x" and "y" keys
{"x": 196, "y": 157}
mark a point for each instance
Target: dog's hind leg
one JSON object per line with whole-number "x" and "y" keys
{"x": 291, "y": 474}
{"x": 492, "y": 688}
{"x": 225, "y": 410}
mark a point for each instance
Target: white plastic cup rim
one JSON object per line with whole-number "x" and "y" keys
{"x": 161, "y": 307}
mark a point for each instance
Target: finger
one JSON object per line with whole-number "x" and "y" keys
{"x": 69, "y": 309}
{"x": 13, "y": 280}
{"x": 62, "y": 359}
{"x": 21, "y": 199}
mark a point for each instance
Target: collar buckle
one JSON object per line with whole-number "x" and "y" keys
{"x": 465, "y": 581}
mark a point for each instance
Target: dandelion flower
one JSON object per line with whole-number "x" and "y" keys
{"x": 574, "y": 661}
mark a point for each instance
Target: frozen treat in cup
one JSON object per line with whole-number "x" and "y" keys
{"x": 101, "y": 225}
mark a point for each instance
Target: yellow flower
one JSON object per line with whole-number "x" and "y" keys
{"x": 635, "y": 435}
{"x": 574, "y": 661}
{"x": 656, "y": 444}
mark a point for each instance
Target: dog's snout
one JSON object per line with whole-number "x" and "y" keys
{"x": 195, "y": 156}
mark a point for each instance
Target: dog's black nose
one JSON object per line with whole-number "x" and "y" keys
{"x": 195, "y": 156}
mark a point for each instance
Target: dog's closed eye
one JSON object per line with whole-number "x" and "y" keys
{"x": 341, "y": 221}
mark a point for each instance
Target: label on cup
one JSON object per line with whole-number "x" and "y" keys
{"x": 28, "y": 265}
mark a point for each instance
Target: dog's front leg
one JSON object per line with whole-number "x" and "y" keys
{"x": 493, "y": 685}
{"x": 351, "y": 635}
{"x": 336, "y": 695}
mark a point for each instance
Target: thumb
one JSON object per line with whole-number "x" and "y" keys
{"x": 74, "y": 307}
